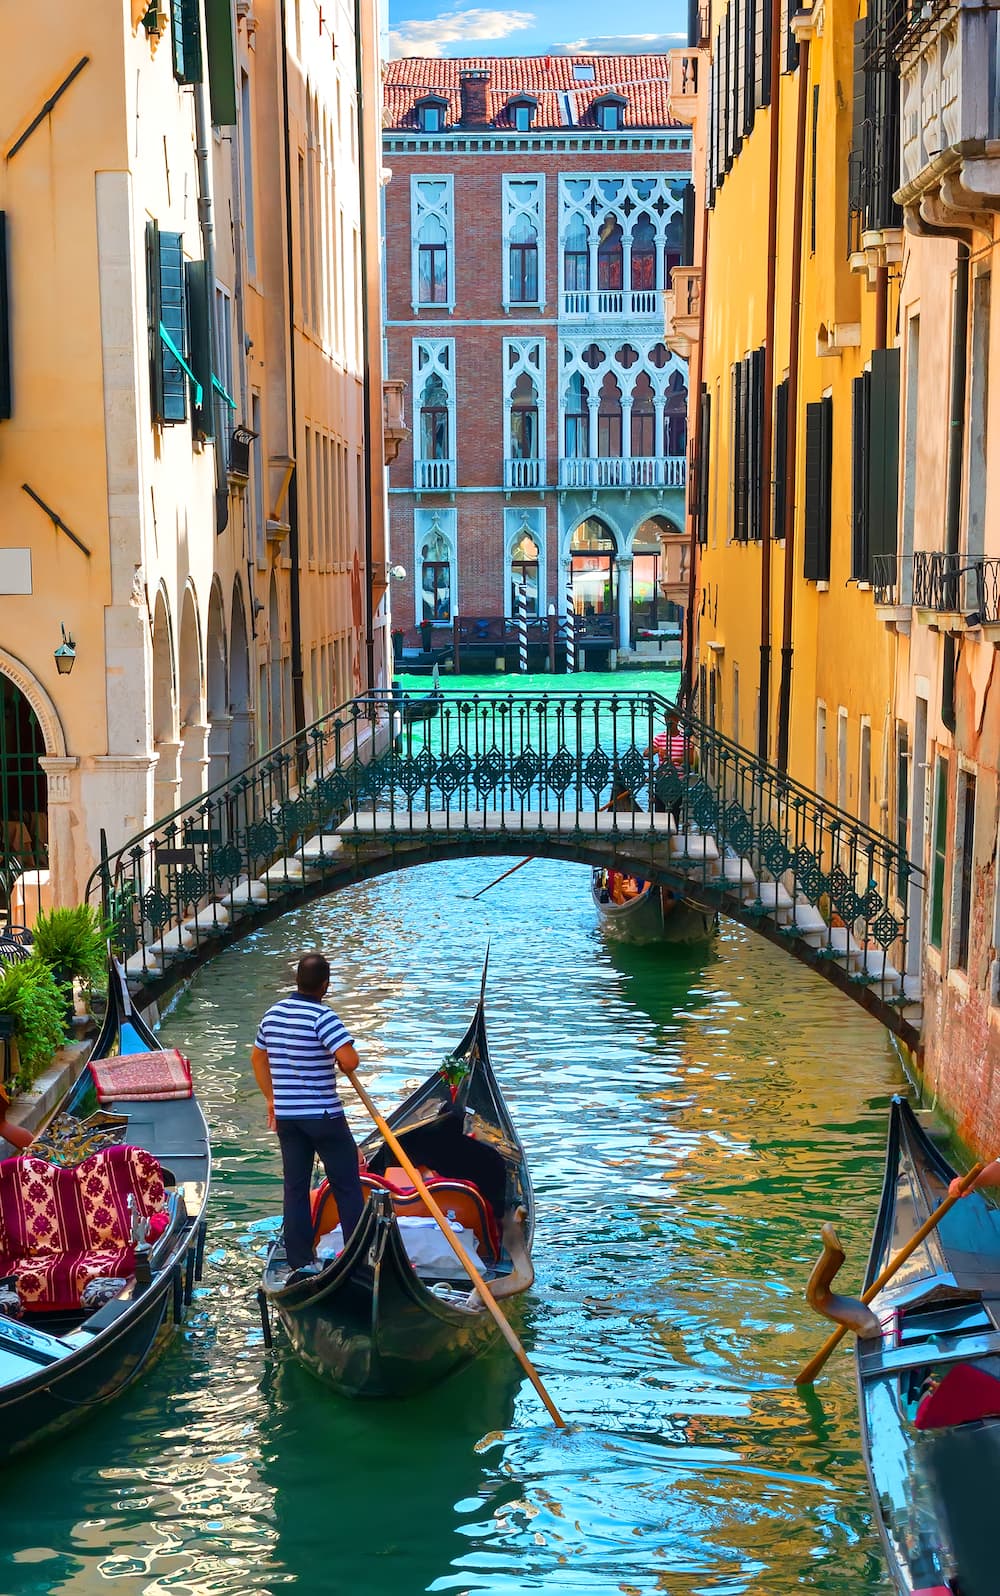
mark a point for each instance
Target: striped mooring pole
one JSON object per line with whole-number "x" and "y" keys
{"x": 570, "y": 631}
{"x": 522, "y": 628}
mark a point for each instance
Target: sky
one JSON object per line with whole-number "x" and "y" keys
{"x": 542, "y": 27}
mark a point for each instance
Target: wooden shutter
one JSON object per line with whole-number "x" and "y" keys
{"x": 857, "y": 167}
{"x": 153, "y": 321}
{"x": 168, "y": 302}
{"x": 220, "y": 39}
{"x": 812, "y": 520}
{"x": 705, "y": 445}
{"x": 762, "y": 54}
{"x": 725, "y": 93}
{"x": 752, "y": 11}
{"x": 860, "y": 394}
{"x": 199, "y": 310}
{"x": 755, "y": 450}
{"x": 738, "y": 372}
{"x": 883, "y": 453}
{"x": 826, "y": 488}
{"x": 739, "y": 10}
{"x": 791, "y": 43}
{"x": 780, "y": 457}
{"x": 5, "y": 374}
{"x": 185, "y": 31}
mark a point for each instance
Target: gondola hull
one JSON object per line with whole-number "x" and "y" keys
{"x": 654, "y": 916}
{"x": 369, "y": 1325}
{"x": 934, "y": 1482}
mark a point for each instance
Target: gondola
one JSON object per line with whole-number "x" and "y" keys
{"x": 423, "y": 706}
{"x": 656, "y": 914}
{"x": 373, "y": 1323}
{"x": 102, "y": 1231}
{"x": 929, "y": 1383}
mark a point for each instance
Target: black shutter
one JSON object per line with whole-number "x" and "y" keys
{"x": 857, "y": 171}
{"x": 755, "y": 449}
{"x": 860, "y": 398}
{"x": 780, "y": 454}
{"x": 5, "y": 374}
{"x": 738, "y": 8}
{"x": 764, "y": 13}
{"x": 750, "y": 63}
{"x": 826, "y": 487}
{"x": 812, "y": 170}
{"x": 200, "y": 324}
{"x": 883, "y": 453}
{"x": 185, "y": 31}
{"x": 725, "y": 89}
{"x": 791, "y": 42}
{"x": 705, "y": 443}
{"x": 812, "y": 520}
{"x": 739, "y": 452}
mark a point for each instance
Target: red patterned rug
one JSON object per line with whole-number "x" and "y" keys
{"x": 142, "y": 1077}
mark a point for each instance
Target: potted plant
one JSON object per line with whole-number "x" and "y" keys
{"x": 35, "y": 1005}
{"x": 398, "y": 636}
{"x": 426, "y": 636}
{"x": 72, "y": 942}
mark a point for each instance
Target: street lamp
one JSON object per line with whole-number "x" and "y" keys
{"x": 65, "y": 654}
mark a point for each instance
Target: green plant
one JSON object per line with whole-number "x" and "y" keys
{"x": 73, "y": 943}
{"x": 37, "y": 1005}
{"x": 454, "y": 1070}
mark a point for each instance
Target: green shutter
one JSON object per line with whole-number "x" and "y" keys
{"x": 185, "y": 32}
{"x": 200, "y": 325}
{"x": 153, "y": 321}
{"x": 860, "y": 520}
{"x": 5, "y": 382}
{"x": 883, "y": 453}
{"x": 173, "y": 320}
{"x": 811, "y": 559}
{"x": 938, "y": 854}
{"x": 220, "y": 40}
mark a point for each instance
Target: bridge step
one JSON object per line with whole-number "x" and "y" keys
{"x": 283, "y": 872}
{"x": 142, "y": 964}
{"x": 738, "y": 871}
{"x": 774, "y": 898}
{"x": 840, "y": 941}
{"x": 880, "y": 972}
{"x": 208, "y": 921}
{"x": 383, "y": 821}
{"x": 809, "y": 923}
{"x": 700, "y": 846}
{"x": 321, "y": 847}
{"x": 244, "y": 894}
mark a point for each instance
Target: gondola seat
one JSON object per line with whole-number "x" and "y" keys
{"x": 61, "y": 1228}
{"x": 965, "y": 1394}
{"x": 460, "y": 1200}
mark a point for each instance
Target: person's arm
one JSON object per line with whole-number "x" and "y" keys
{"x": 347, "y": 1057}
{"x": 262, "y": 1075}
{"x": 989, "y": 1177}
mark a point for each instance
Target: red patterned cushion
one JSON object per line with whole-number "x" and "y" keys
{"x": 56, "y": 1280}
{"x": 142, "y": 1077}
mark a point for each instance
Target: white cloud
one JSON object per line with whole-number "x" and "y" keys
{"x": 620, "y": 44}
{"x": 455, "y": 27}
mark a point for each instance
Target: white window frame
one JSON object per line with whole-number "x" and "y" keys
{"x": 443, "y": 211}
{"x": 576, "y": 195}
{"x": 443, "y": 519}
{"x": 517, "y": 359}
{"x": 433, "y": 357}
{"x": 512, "y": 210}
{"x": 529, "y": 518}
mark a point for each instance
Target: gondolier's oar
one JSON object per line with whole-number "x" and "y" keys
{"x": 483, "y": 1289}
{"x": 807, "y": 1375}
{"x": 498, "y": 880}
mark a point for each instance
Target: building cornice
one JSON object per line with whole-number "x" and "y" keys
{"x": 406, "y": 141}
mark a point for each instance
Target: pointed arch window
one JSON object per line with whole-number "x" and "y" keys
{"x": 609, "y": 420}
{"x": 434, "y": 427}
{"x": 524, "y": 568}
{"x": 675, "y": 418}
{"x": 435, "y": 578}
{"x": 643, "y": 419}
{"x": 432, "y": 263}
{"x": 523, "y": 262}
{"x": 524, "y": 420}
{"x": 644, "y": 253}
{"x": 576, "y": 257}
{"x": 610, "y": 255}
{"x": 577, "y": 419}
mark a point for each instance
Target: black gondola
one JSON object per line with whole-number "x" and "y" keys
{"x": 370, "y": 1324}
{"x": 60, "y": 1360}
{"x": 929, "y": 1384}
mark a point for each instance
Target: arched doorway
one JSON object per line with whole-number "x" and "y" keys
{"x": 24, "y": 802}
{"x": 217, "y": 691}
{"x": 241, "y": 729}
{"x": 593, "y": 552}
{"x": 659, "y": 575}
{"x": 190, "y": 705}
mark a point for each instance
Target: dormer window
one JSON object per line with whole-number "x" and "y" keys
{"x": 609, "y": 113}
{"x": 431, "y": 113}
{"x": 522, "y": 114}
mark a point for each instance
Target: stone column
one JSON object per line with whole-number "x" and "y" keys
{"x": 118, "y": 795}
{"x": 194, "y": 760}
{"x": 242, "y": 740}
{"x": 64, "y": 809}
{"x": 167, "y": 780}
{"x": 624, "y": 579}
{"x": 220, "y": 729}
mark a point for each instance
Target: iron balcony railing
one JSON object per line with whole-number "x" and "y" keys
{"x": 433, "y": 475}
{"x": 892, "y": 578}
{"x": 957, "y": 584}
{"x": 524, "y": 473}
{"x": 636, "y": 471}
{"x": 514, "y": 765}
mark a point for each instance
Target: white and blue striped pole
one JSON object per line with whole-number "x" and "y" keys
{"x": 522, "y": 628}
{"x": 570, "y": 629}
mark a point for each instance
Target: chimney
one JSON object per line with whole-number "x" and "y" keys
{"x": 472, "y": 89}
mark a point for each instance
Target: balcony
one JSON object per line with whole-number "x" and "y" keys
{"x": 638, "y": 471}
{"x": 433, "y": 476}
{"x": 616, "y": 304}
{"x": 957, "y": 592}
{"x": 681, "y": 308}
{"x": 950, "y": 169}
{"x": 394, "y": 429}
{"x": 521, "y": 474}
{"x": 686, "y": 71}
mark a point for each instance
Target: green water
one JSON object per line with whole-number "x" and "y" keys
{"x": 690, "y": 1121}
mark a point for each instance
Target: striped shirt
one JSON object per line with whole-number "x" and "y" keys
{"x": 300, "y": 1036}
{"x": 672, "y": 748}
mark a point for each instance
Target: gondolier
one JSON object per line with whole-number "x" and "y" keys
{"x": 300, "y": 1043}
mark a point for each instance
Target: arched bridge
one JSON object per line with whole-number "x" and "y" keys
{"x": 383, "y": 783}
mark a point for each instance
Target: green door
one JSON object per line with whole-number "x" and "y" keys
{"x": 23, "y": 791}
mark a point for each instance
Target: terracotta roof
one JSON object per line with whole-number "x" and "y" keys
{"x": 563, "y": 100}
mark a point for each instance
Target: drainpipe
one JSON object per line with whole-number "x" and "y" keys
{"x": 763, "y": 723}
{"x": 365, "y": 346}
{"x": 295, "y": 597}
{"x": 687, "y": 678}
{"x": 203, "y": 135}
{"x": 956, "y": 455}
{"x": 788, "y": 465}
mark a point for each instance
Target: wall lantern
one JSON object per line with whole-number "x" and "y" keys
{"x": 65, "y": 654}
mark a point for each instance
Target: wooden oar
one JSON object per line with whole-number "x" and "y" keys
{"x": 483, "y": 1289}
{"x": 498, "y": 880}
{"x": 807, "y": 1375}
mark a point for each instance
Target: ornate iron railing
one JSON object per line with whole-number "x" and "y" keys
{"x": 889, "y": 573}
{"x": 959, "y": 584}
{"x": 582, "y": 768}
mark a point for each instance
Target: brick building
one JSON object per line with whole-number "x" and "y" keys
{"x": 536, "y": 209}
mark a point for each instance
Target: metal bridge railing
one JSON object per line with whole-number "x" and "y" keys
{"x": 581, "y": 766}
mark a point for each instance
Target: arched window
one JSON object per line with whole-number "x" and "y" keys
{"x": 609, "y": 420}
{"x": 675, "y": 418}
{"x": 577, "y": 418}
{"x": 592, "y": 553}
{"x": 576, "y": 257}
{"x": 432, "y": 263}
{"x": 524, "y": 568}
{"x": 644, "y": 253}
{"x": 673, "y": 244}
{"x": 643, "y": 419}
{"x": 524, "y": 420}
{"x": 24, "y": 804}
{"x": 523, "y": 263}
{"x": 609, "y": 255}
{"x": 435, "y": 578}
{"x": 434, "y": 420}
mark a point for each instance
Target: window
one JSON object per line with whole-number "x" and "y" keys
{"x": 523, "y": 263}
{"x": 435, "y": 579}
{"x": 249, "y": 223}
{"x": 576, "y": 257}
{"x": 675, "y": 423}
{"x": 609, "y": 255}
{"x": 522, "y": 114}
{"x": 168, "y": 326}
{"x": 583, "y": 71}
{"x": 185, "y": 32}
{"x": 938, "y": 851}
{"x": 821, "y": 750}
{"x": 432, "y": 264}
{"x": 524, "y": 420}
{"x": 430, "y": 114}
{"x": 644, "y": 253}
{"x": 609, "y": 420}
{"x": 432, "y": 235}
{"x": 780, "y": 457}
{"x": 966, "y": 839}
{"x": 643, "y": 419}
{"x": 524, "y": 570}
{"x": 434, "y": 420}
{"x": 875, "y": 467}
{"x": 608, "y": 114}
{"x": 577, "y": 420}
{"x": 748, "y": 442}
{"x": 902, "y": 785}
{"x": 819, "y": 482}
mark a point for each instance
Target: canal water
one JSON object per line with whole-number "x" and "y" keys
{"x": 690, "y": 1118}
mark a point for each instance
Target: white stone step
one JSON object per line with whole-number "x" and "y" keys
{"x": 808, "y": 922}
{"x": 843, "y": 944}
{"x": 172, "y": 945}
{"x": 775, "y": 899}
{"x": 687, "y": 845}
{"x": 245, "y": 893}
{"x": 881, "y": 972}
{"x": 322, "y": 846}
{"x": 286, "y": 870}
{"x": 142, "y": 963}
{"x": 207, "y": 921}
{"x": 738, "y": 871}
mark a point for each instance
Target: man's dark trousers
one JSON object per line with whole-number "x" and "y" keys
{"x": 329, "y": 1137}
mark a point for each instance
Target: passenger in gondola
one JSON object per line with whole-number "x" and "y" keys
{"x": 300, "y": 1044}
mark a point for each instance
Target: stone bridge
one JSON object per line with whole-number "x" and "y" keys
{"x": 385, "y": 783}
